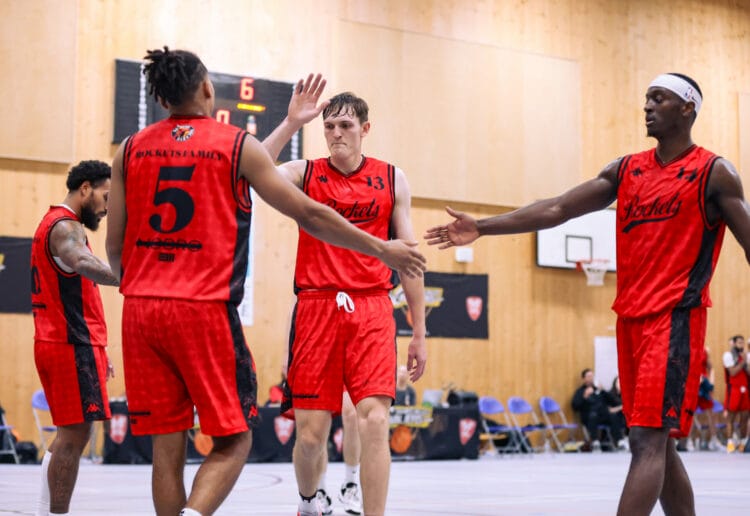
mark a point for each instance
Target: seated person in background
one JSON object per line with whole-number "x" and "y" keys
{"x": 405, "y": 394}
{"x": 591, "y": 404}
{"x": 614, "y": 403}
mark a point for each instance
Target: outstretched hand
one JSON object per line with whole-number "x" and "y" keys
{"x": 403, "y": 256}
{"x": 304, "y": 106}
{"x": 462, "y": 231}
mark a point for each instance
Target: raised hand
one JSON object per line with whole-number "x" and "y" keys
{"x": 304, "y": 106}
{"x": 404, "y": 257}
{"x": 462, "y": 231}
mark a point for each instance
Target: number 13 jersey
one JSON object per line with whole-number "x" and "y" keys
{"x": 188, "y": 211}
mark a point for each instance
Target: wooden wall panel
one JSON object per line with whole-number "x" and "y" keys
{"x": 453, "y": 101}
{"x": 38, "y": 51}
{"x": 543, "y": 321}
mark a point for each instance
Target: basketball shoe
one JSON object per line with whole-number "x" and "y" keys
{"x": 324, "y": 501}
{"x": 350, "y": 498}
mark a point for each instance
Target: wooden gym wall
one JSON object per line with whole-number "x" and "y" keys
{"x": 484, "y": 104}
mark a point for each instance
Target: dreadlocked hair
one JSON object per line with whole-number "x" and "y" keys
{"x": 173, "y": 75}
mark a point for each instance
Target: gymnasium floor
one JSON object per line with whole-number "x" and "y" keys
{"x": 554, "y": 484}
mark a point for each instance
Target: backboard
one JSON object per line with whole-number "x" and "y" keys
{"x": 591, "y": 236}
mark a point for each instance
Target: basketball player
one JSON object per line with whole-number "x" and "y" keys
{"x": 737, "y": 397}
{"x": 70, "y": 335}
{"x": 343, "y": 326}
{"x": 673, "y": 203}
{"x": 179, "y": 226}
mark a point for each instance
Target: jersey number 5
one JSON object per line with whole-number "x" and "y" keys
{"x": 183, "y": 204}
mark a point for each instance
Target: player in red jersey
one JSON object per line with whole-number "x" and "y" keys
{"x": 70, "y": 335}
{"x": 673, "y": 203}
{"x": 737, "y": 398}
{"x": 178, "y": 232}
{"x": 343, "y": 331}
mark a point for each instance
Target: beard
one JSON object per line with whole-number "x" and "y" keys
{"x": 89, "y": 218}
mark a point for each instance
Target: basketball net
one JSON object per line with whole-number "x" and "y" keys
{"x": 595, "y": 270}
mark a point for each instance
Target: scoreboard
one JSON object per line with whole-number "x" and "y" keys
{"x": 256, "y": 105}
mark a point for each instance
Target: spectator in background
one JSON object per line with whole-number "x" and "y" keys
{"x": 590, "y": 402}
{"x": 737, "y": 400}
{"x": 706, "y": 402}
{"x": 405, "y": 394}
{"x": 614, "y": 403}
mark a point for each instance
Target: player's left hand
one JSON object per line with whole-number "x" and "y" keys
{"x": 304, "y": 106}
{"x": 417, "y": 359}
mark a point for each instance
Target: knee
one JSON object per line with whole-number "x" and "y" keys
{"x": 72, "y": 439}
{"x": 310, "y": 443}
{"x": 235, "y": 444}
{"x": 648, "y": 443}
{"x": 374, "y": 422}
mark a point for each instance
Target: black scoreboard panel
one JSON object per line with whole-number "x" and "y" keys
{"x": 256, "y": 105}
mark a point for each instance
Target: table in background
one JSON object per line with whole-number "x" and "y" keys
{"x": 453, "y": 433}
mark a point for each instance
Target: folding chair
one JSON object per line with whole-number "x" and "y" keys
{"x": 491, "y": 409}
{"x": 42, "y": 416}
{"x": 7, "y": 444}
{"x": 556, "y": 422}
{"x": 526, "y": 421}
{"x": 704, "y": 433}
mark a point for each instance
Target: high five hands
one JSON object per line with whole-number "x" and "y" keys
{"x": 303, "y": 106}
{"x": 462, "y": 231}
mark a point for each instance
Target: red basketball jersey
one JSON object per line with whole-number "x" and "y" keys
{"x": 365, "y": 198}
{"x": 188, "y": 211}
{"x": 67, "y": 307}
{"x": 666, "y": 249}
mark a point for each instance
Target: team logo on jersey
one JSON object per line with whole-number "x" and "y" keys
{"x": 356, "y": 213}
{"x": 182, "y": 133}
{"x": 466, "y": 429}
{"x": 639, "y": 212}
{"x": 474, "y": 307}
{"x": 284, "y": 429}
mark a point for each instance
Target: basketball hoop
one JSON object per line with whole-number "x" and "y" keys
{"x": 595, "y": 270}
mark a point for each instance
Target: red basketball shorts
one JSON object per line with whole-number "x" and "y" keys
{"x": 74, "y": 379}
{"x": 737, "y": 398}
{"x": 179, "y": 354}
{"x": 659, "y": 359}
{"x": 350, "y": 343}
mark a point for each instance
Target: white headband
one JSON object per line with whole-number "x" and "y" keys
{"x": 680, "y": 86}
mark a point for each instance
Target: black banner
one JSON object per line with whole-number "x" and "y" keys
{"x": 456, "y": 306}
{"x": 15, "y": 275}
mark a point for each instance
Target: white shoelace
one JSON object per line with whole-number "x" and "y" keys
{"x": 343, "y": 300}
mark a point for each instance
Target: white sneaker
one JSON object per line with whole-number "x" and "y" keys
{"x": 314, "y": 511}
{"x": 623, "y": 444}
{"x": 690, "y": 445}
{"x": 324, "y": 501}
{"x": 715, "y": 445}
{"x": 350, "y": 498}
{"x": 596, "y": 446}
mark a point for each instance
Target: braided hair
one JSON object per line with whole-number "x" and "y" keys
{"x": 173, "y": 75}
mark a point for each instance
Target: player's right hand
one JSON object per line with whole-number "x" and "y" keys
{"x": 403, "y": 256}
